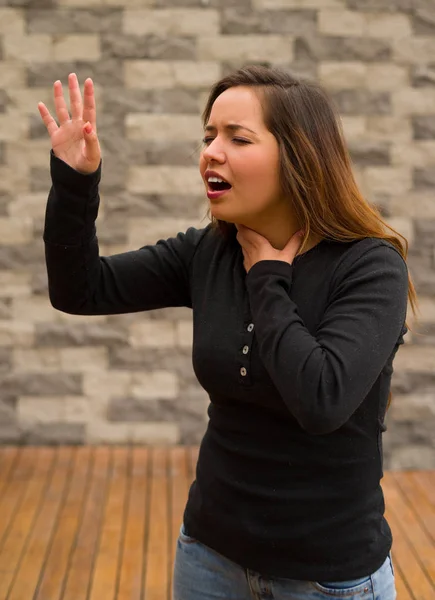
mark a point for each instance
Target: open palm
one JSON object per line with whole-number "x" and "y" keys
{"x": 74, "y": 140}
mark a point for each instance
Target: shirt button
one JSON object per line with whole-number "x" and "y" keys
{"x": 250, "y": 327}
{"x": 243, "y": 372}
{"x": 245, "y": 349}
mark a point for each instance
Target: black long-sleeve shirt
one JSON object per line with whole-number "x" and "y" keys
{"x": 297, "y": 361}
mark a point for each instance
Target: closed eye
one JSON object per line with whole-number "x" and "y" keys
{"x": 208, "y": 140}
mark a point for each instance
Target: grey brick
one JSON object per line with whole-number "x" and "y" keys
{"x": 314, "y": 48}
{"x": 39, "y": 282}
{"x": 8, "y": 409}
{"x": 104, "y": 72}
{"x": 145, "y": 47}
{"x": 424, "y": 334}
{"x": 28, "y": 3}
{"x": 424, "y": 178}
{"x": 5, "y": 313}
{"x": 5, "y": 353}
{"x": 362, "y": 102}
{"x": 119, "y": 101}
{"x": 2, "y": 153}
{"x": 424, "y": 127}
{"x": 237, "y": 20}
{"x": 201, "y": 3}
{"x": 423, "y": 21}
{"x": 384, "y": 5}
{"x": 145, "y": 359}
{"x": 55, "y": 433}
{"x": 423, "y": 75}
{"x": 5, "y": 199}
{"x": 113, "y": 230}
{"x": 424, "y": 233}
{"x": 4, "y": 100}
{"x": 41, "y": 384}
{"x": 366, "y": 152}
{"x": 407, "y": 382}
{"x": 40, "y": 180}
{"x": 10, "y": 433}
{"x": 74, "y": 334}
{"x": 37, "y": 128}
{"x": 153, "y": 205}
{"x": 64, "y": 20}
{"x": 17, "y": 257}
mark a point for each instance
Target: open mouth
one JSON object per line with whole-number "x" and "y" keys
{"x": 218, "y": 186}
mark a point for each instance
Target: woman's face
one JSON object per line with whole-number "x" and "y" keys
{"x": 239, "y": 149}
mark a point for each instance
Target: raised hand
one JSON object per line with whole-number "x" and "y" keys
{"x": 75, "y": 139}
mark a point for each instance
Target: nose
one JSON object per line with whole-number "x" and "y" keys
{"x": 214, "y": 152}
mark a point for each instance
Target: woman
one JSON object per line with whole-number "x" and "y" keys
{"x": 299, "y": 294}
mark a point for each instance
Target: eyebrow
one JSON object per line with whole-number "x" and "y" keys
{"x": 230, "y": 127}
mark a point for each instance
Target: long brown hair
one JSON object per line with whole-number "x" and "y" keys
{"x": 315, "y": 164}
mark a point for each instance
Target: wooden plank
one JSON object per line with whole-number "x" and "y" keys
{"x": 24, "y": 518}
{"x": 8, "y": 457}
{"x": 55, "y": 569}
{"x": 426, "y": 480}
{"x": 28, "y": 573}
{"x": 193, "y": 459}
{"x": 133, "y": 556}
{"x": 13, "y": 490}
{"x": 405, "y": 553}
{"x": 77, "y": 583}
{"x": 156, "y": 573}
{"x": 402, "y": 589}
{"x": 179, "y": 488}
{"x": 106, "y": 569}
{"x": 416, "y": 496}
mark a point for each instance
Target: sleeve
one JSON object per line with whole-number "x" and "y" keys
{"x": 323, "y": 378}
{"x": 83, "y": 283}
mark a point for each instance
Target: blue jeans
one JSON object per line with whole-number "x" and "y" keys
{"x": 202, "y": 574}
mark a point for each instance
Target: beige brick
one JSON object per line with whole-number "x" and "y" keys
{"x": 154, "y": 433}
{"x": 15, "y": 231}
{"x": 149, "y": 231}
{"x": 164, "y": 180}
{"x": 77, "y": 47}
{"x": 158, "y": 74}
{"x": 16, "y": 333}
{"x": 28, "y": 205}
{"x": 14, "y": 126}
{"x": 404, "y": 226}
{"x": 289, "y": 4}
{"x": 354, "y": 127}
{"x": 36, "y": 360}
{"x": 99, "y": 432}
{"x": 412, "y": 456}
{"x": 389, "y": 128}
{"x": 184, "y": 334}
{"x": 83, "y": 359}
{"x": 385, "y": 77}
{"x": 35, "y": 153}
{"x": 413, "y": 205}
{"x": 154, "y": 384}
{"x": 129, "y": 3}
{"x": 34, "y": 309}
{"x": 157, "y": 127}
{"x": 415, "y": 359}
{"x": 413, "y": 101}
{"x": 28, "y": 48}
{"x": 388, "y": 180}
{"x": 427, "y": 309}
{"x": 246, "y": 47}
{"x": 173, "y": 21}
{"x": 12, "y": 22}
{"x": 106, "y": 384}
{"x": 26, "y": 100}
{"x": 12, "y": 75}
{"x": 388, "y": 26}
{"x": 14, "y": 180}
{"x": 341, "y": 22}
{"x": 152, "y": 334}
{"x": 14, "y": 284}
{"x": 40, "y": 409}
{"x": 413, "y": 50}
{"x": 343, "y": 75}
{"x": 64, "y": 317}
{"x": 416, "y": 154}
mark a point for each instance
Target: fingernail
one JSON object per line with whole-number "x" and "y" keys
{"x": 88, "y": 128}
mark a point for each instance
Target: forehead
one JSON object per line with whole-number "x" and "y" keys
{"x": 238, "y": 104}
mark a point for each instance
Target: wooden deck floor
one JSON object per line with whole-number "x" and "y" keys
{"x": 94, "y": 523}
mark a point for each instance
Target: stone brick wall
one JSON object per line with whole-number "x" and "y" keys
{"x": 129, "y": 378}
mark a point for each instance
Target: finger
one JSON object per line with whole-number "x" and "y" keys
{"x": 60, "y": 104}
{"x": 75, "y": 97}
{"x": 89, "y": 109}
{"x": 91, "y": 141}
{"x": 47, "y": 119}
{"x": 293, "y": 245}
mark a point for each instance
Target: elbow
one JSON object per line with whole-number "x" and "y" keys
{"x": 62, "y": 304}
